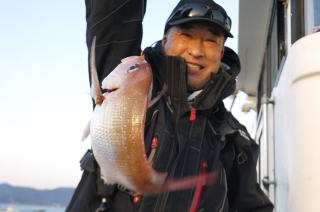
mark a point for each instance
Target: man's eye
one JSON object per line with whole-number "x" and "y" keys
{"x": 186, "y": 34}
{"x": 212, "y": 40}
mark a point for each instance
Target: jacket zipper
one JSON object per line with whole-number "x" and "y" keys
{"x": 159, "y": 199}
{"x": 225, "y": 194}
{"x": 164, "y": 199}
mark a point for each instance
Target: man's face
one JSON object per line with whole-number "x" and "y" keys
{"x": 201, "y": 45}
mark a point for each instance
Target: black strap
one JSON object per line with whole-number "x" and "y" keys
{"x": 89, "y": 164}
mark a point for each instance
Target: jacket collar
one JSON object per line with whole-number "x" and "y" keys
{"x": 172, "y": 71}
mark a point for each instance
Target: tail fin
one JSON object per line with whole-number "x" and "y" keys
{"x": 190, "y": 182}
{"x": 184, "y": 183}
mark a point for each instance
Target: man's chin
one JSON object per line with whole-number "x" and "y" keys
{"x": 192, "y": 86}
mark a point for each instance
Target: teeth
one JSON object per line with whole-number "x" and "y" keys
{"x": 194, "y": 66}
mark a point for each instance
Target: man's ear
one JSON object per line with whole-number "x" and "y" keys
{"x": 222, "y": 52}
{"x": 164, "y": 41}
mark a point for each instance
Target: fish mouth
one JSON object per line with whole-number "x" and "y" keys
{"x": 109, "y": 90}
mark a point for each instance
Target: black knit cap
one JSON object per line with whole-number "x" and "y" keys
{"x": 200, "y": 10}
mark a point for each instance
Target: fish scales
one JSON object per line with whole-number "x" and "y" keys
{"x": 117, "y": 132}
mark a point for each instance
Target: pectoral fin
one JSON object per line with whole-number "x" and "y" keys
{"x": 86, "y": 131}
{"x": 158, "y": 97}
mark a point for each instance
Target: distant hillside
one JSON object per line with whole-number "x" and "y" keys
{"x": 25, "y": 195}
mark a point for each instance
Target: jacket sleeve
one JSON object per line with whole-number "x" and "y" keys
{"x": 117, "y": 25}
{"x": 245, "y": 194}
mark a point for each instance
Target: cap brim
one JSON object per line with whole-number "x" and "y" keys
{"x": 189, "y": 19}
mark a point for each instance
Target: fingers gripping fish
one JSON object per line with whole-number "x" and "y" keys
{"x": 117, "y": 128}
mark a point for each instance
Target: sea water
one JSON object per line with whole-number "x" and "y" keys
{"x": 28, "y": 208}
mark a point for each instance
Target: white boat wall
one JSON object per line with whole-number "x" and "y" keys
{"x": 279, "y": 50}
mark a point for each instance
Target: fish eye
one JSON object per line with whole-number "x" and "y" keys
{"x": 132, "y": 69}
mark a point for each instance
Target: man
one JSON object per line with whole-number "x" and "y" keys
{"x": 188, "y": 130}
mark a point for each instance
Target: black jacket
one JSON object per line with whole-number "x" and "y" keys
{"x": 214, "y": 137}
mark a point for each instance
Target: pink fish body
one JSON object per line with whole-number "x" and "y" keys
{"x": 117, "y": 129}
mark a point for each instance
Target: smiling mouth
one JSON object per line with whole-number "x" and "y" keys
{"x": 194, "y": 68}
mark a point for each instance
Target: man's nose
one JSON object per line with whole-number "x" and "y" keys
{"x": 196, "y": 48}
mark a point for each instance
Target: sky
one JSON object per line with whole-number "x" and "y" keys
{"x": 44, "y": 87}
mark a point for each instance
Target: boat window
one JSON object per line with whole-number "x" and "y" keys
{"x": 275, "y": 52}
{"x": 281, "y": 26}
{"x": 312, "y": 16}
{"x": 297, "y": 20}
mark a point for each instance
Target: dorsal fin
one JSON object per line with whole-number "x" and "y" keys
{"x": 95, "y": 90}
